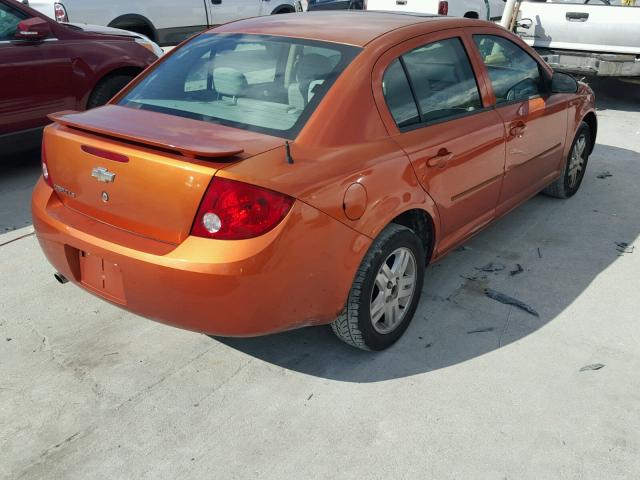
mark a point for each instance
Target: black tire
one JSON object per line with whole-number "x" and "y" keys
{"x": 106, "y": 89}
{"x": 563, "y": 187}
{"x": 143, "y": 30}
{"x": 354, "y": 325}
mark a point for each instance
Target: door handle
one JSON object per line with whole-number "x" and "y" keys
{"x": 577, "y": 16}
{"x": 441, "y": 159}
{"x": 216, "y": 2}
{"x": 517, "y": 129}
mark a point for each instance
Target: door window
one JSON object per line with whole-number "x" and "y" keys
{"x": 397, "y": 93}
{"x": 9, "y": 20}
{"x": 442, "y": 84}
{"x": 514, "y": 74}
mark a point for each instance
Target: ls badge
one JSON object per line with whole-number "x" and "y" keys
{"x": 103, "y": 175}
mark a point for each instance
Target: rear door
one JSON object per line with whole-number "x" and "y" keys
{"x": 435, "y": 108}
{"x": 535, "y": 122}
{"x": 574, "y": 25}
{"x": 35, "y": 75}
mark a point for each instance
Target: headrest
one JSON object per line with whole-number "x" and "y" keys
{"x": 313, "y": 67}
{"x": 229, "y": 81}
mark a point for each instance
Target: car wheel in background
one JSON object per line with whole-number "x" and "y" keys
{"x": 106, "y": 89}
{"x": 574, "y": 168}
{"x": 386, "y": 291}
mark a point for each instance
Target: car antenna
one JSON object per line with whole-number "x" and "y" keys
{"x": 287, "y": 150}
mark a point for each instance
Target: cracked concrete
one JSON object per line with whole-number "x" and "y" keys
{"x": 90, "y": 391}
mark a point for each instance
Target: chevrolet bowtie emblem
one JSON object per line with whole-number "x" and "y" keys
{"x": 103, "y": 175}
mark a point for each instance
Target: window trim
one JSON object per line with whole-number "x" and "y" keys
{"x": 426, "y": 123}
{"x": 450, "y": 118}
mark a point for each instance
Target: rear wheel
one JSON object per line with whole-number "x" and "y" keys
{"x": 106, "y": 89}
{"x": 574, "y": 168}
{"x": 385, "y": 294}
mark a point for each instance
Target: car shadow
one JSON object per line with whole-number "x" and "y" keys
{"x": 561, "y": 246}
{"x": 18, "y": 174}
{"x": 614, "y": 94}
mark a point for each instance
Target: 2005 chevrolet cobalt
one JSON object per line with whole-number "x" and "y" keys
{"x": 280, "y": 172}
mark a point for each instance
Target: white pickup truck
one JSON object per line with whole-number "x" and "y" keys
{"x": 166, "y": 22}
{"x": 592, "y": 37}
{"x": 483, "y": 9}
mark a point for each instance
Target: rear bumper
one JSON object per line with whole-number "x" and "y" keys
{"x": 591, "y": 63}
{"x": 298, "y": 274}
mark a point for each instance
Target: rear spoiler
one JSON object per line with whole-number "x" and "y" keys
{"x": 190, "y": 138}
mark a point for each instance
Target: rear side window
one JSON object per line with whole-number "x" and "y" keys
{"x": 259, "y": 83}
{"x": 397, "y": 92}
{"x": 514, "y": 74}
{"x": 440, "y": 81}
{"x": 9, "y": 20}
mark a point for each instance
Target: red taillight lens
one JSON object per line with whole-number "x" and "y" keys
{"x": 46, "y": 174}
{"x": 60, "y": 12}
{"x": 443, "y": 8}
{"x": 234, "y": 210}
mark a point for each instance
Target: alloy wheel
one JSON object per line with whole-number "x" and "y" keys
{"x": 577, "y": 161}
{"x": 393, "y": 290}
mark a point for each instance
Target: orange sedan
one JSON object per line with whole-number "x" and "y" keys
{"x": 275, "y": 173}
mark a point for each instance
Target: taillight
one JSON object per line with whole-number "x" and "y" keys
{"x": 234, "y": 210}
{"x": 45, "y": 167}
{"x": 443, "y": 8}
{"x": 60, "y": 12}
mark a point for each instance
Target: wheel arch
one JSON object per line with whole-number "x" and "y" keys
{"x": 591, "y": 120}
{"x": 132, "y": 71}
{"x": 283, "y": 8}
{"x": 422, "y": 224}
{"x": 135, "y": 19}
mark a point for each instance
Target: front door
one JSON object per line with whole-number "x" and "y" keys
{"x": 455, "y": 143}
{"x": 535, "y": 122}
{"x": 36, "y": 76}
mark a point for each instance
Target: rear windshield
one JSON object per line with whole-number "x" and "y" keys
{"x": 259, "y": 83}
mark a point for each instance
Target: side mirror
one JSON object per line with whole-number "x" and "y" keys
{"x": 563, "y": 83}
{"x": 525, "y": 23}
{"x": 34, "y": 29}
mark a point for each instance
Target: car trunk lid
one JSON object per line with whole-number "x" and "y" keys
{"x": 144, "y": 172}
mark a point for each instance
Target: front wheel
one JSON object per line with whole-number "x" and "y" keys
{"x": 574, "y": 168}
{"x": 107, "y": 89}
{"x": 385, "y": 293}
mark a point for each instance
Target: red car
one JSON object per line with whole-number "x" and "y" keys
{"x": 46, "y": 66}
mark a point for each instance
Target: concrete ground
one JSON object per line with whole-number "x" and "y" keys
{"x": 474, "y": 390}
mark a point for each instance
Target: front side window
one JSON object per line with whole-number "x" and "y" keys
{"x": 442, "y": 83}
{"x": 9, "y": 20}
{"x": 514, "y": 74}
{"x": 264, "y": 84}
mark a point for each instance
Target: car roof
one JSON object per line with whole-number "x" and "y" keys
{"x": 349, "y": 27}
